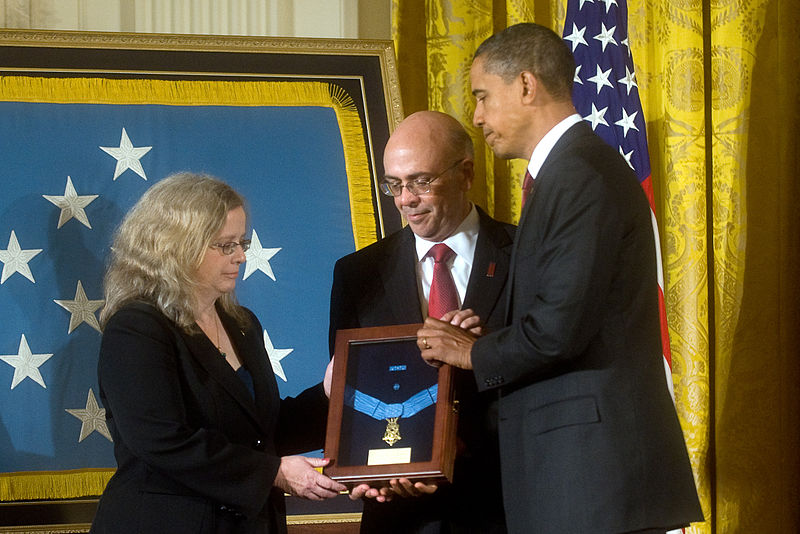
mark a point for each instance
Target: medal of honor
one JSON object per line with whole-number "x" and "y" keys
{"x": 392, "y": 434}
{"x": 392, "y": 413}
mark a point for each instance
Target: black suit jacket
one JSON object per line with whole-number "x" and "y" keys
{"x": 589, "y": 437}
{"x": 196, "y": 453}
{"x": 377, "y": 286}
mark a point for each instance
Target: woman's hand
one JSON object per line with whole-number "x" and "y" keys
{"x": 326, "y": 381}
{"x": 297, "y": 476}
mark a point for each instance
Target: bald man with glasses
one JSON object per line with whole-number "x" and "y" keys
{"x": 428, "y": 163}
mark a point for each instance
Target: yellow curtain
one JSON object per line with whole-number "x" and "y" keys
{"x": 721, "y": 107}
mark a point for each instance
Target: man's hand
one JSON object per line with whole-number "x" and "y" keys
{"x": 365, "y": 491}
{"x": 466, "y": 319}
{"x": 441, "y": 342}
{"x": 403, "y": 487}
{"x": 398, "y": 487}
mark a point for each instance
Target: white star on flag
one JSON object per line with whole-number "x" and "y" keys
{"x": 71, "y": 204}
{"x": 596, "y": 116}
{"x": 26, "y": 364}
{"x": 258, "y": 258}
{"x": 93, "y": 418}
{"x": 81, "y": 309}
{"x": 609, "y": 3}
{"x": 577, "y": 78}
{"x": 629, "y": 80}
{"x": 601, "y": 79}
{"x": 275, "y": 356}
{"x": 606, "y": 36}
{"x": 626, "y": 122}
{"x": 127, "y": 156}
{"x": 15, "y": 259}
{"x": 627, "y": 157}
{"x": 576, "y": 37}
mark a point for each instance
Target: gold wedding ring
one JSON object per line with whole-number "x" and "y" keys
{"x": 425, "y": 343}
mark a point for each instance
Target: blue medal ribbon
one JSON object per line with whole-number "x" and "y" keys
{"x": 377, "y": 409}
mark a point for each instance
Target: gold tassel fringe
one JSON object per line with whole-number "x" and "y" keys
{"x": 221, "y": 93}
{"x": 35, "y": 485}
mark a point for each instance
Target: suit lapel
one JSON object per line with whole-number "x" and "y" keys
{"x": 490, "y": 267}
{"x": 399, "y": 278}
{"x": 250, "y": 348}
{"x": 204, "y": 351}
{"x": 574, "y": 132}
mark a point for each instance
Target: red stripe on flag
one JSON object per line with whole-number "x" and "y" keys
{"x": 647, "y": 185}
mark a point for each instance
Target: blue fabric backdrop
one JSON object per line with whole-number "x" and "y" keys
{"x": 287, "y": 161}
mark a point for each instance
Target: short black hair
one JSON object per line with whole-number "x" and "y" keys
{"x": 533, "y": 48}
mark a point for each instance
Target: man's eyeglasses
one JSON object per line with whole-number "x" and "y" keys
{"x": 417, "y": 186}
{"x": 229, "y": 248}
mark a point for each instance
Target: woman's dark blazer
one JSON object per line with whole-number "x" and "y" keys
{"x": 196, "y": 453}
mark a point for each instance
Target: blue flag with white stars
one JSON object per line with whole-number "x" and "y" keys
{"x": 70, "y": 171}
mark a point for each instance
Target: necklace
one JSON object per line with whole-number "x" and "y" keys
{"x": 216, "y": 327}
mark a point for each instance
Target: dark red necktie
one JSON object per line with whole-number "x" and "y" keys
{"x": 443, "y": 296}
{"x": 527, "y": 187}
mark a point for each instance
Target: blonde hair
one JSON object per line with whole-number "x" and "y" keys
{"x": 161, "y": 242}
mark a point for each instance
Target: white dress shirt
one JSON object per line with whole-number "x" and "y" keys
{"x": 462, "y": 242}
{"x": 543, "y": 148}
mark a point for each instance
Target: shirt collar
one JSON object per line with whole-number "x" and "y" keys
{"x": 547, "y": 143}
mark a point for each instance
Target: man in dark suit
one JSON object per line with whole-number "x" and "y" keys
{"x": 589, "y": 438}
{"x": 428, "y": 163}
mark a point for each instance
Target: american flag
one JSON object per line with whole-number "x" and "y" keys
{"x": 606, "y": 95}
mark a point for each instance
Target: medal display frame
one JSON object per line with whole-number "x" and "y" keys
{"x": 433, "y": 426}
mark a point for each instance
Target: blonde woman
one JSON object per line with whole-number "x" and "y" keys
{"x": 201, "y": 437}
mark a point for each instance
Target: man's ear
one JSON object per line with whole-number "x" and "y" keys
{"x": 530, "y": 86}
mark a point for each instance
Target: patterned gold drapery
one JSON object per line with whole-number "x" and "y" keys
{"x": 667, "y": 43}
{"x": 695, "y": 62}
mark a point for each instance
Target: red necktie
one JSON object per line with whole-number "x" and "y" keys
{"x": 527, "y": 187}
{"x": 443, "y": 296}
